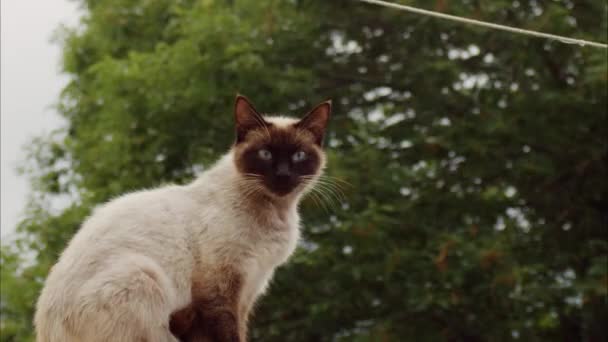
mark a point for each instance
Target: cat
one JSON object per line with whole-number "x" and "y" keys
{"x": 188, "y": 262}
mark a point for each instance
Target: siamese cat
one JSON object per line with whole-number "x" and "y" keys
{"x": 187, "y": 263}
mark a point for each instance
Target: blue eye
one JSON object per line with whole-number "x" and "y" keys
{"x": 298, "y": 156}
{"x": 264, "y": 154}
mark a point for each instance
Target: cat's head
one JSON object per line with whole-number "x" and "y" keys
{"x": 280, "y": 155}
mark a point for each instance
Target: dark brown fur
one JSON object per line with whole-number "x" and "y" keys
{"x": 281, "y": 174}
{"x": 282, "y": 142}
{"x": 213, "y": 315}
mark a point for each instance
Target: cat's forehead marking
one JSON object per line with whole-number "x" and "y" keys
{"x": 280, "y": 130}
{"x": 281, "y": 121}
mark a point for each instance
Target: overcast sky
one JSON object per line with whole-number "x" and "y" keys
{"x": 30, "y": 86}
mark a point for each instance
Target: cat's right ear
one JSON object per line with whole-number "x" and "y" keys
{"x": 246, "y": 118}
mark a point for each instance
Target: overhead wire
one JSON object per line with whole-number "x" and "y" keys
{"x": 562, "y": 39}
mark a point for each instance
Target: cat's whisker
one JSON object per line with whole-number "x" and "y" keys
{"x": 246, "y": 186}
{"x": 248, "y": 194}
{"x": 314, "y": 199}
{"x": 327, "y": 186}
{"x": 334, "y": 188}
{"x": 318, "y": 201}
{"x": 331, "y": 192}
{"x": 338, "y": 187}
{"x": 336, "y": 179}
{"x": 326, "y": 199}
{"x": 336, "y": 183}
{"x": 252, "y": 175}
{"x": 321, "y": 202}
{"x": 250, "y": 189}
{"x": 335, "y": 203}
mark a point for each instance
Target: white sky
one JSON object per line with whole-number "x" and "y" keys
{"x": 30, "y": 86}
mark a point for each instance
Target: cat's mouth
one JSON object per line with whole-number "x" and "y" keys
{"x": 278, "y": 186}
{"x": 282, "y": 186}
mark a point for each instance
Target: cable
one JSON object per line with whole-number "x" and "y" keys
{"x": 562, "y": 39}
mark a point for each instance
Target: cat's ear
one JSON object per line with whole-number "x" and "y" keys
{"x": 246, "y": 117}
{"x": 316, "y": 121}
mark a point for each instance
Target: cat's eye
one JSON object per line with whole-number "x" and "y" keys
{"x": 264, "y": 154}
{"x": 298, "y": 156}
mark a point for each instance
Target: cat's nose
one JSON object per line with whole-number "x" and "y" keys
{"x": 283, "y": 170}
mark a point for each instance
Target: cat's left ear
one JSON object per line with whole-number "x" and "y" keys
{"x": 316, "y": 121}
{"x": 246, "y": 117}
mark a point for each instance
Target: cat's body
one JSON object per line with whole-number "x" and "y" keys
{"x": 200, "y": 254}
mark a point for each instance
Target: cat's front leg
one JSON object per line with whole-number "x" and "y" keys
{"x": 206, "y": 322}
{"x": 225, "y": 326}
{"x": 215, "y": 301}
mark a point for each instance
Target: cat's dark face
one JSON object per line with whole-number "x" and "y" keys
{"x": 282, "y": 154}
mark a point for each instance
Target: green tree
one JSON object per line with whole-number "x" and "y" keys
{"x": 477, "y": 159}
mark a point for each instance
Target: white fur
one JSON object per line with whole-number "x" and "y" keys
{"x": 281, "y": 121}
{"x": 131, "y": 264}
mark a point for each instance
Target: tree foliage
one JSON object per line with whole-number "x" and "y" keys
{"x": 477, "y": 160}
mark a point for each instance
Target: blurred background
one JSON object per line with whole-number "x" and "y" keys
{"x": 476, "y": 207}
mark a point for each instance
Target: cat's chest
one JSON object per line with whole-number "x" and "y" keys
{"x": 258, "y": 266}
{"x": 248, "y": 260}
{"x": 267, "y": 246}
{"x": 247, "y": 246}
{"x": 244, "y": 242}
{"x": 269, "y": 237}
